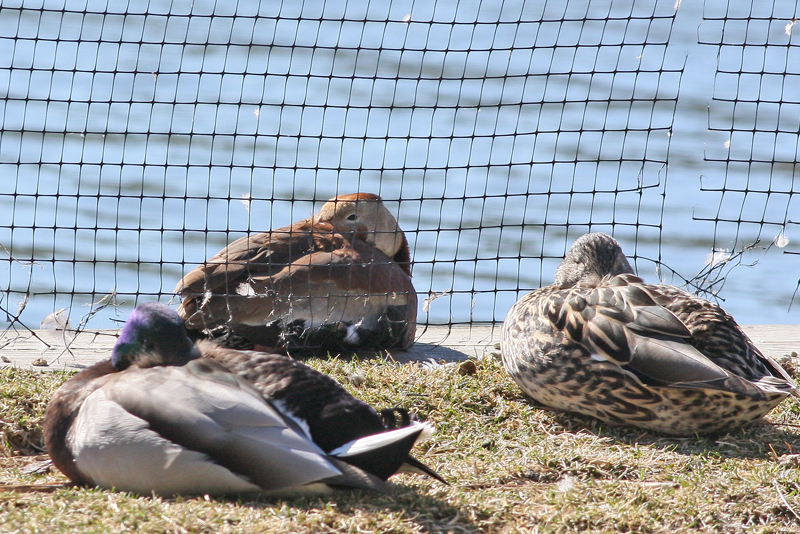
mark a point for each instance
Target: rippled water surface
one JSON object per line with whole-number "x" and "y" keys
{"x": 128, "y": 162}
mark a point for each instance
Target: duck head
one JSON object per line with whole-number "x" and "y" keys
{"x": 365, "y": 216}
{"x": 154, "y": 335}
{"x": 590, "y": 258}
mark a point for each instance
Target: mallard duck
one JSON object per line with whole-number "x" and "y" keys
{"x": 340, "y": 280}
{"x": 156, "y": 417}
{"x": 601, "y": 342}
{"x": 329, "y": 414}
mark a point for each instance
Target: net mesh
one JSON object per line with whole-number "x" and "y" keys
{"x": 138, "y": 139}
{"x": 755, "y": 114}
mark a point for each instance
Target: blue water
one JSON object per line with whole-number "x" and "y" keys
{"x": 126, "y": 163}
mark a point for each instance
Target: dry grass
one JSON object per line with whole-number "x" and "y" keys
{"x": 513, "y": 467}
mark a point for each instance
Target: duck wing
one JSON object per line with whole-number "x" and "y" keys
{"x": 195, "y": 429}
{"x": 620, "y": 321}
{"x": 331, "y": 414}
{"x": 386, "y": 453}
{"x": 718, "y": 337}
{"x": 254, "y": 255}
{"x": 315, "y": 277}
{"x": 341, "y": 284}
{"x": 258, "y": 253}
{"x": 328, "y": 413}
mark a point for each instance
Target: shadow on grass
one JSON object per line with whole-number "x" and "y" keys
{"x": 758, "y": 440}
{"x": 429, "y": 513}
{"x": 761, "y": 439}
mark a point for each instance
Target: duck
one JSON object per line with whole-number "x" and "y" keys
{"x": 158, "y": 418}
{"x": 329, "y": 414}
{"x": 337, "y": 281}
{"x": 601, "y": 342}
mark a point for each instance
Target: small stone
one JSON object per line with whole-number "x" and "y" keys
{"x": 467, "y": 367}
{"x": 40, "y": 362}
{"x": 357, "y": 379}
{"x": 5, "y": 360}
{"x": 788, "y": 364}
{"x": 496, "y": 345}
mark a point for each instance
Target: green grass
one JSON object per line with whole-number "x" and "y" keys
{"x": 513, "y": 467}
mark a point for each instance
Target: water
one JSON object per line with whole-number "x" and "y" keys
{"x": 496, "y": 144}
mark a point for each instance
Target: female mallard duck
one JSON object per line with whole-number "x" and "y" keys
{"x": 601, "y": 342}
{"x": 340, "y": 280}
{"x": 156, "y": 417}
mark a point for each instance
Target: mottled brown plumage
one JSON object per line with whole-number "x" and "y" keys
{"x": 602, "y": 342}
{"x": 340, "y": 280}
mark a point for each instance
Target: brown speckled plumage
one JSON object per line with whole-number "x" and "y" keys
{"x": 603, "y": 343}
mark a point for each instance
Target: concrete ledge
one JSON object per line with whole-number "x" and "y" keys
{"x": 55, "y": 350}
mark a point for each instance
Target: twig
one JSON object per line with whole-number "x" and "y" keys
{"x": 783, "y": 499}
{"x": 713, "y": 275}
{"x": 793, "y": 296}
{"x": 786, "y": 424}
{"x": 109, "y": 299}
{"x": 15, "y": 320}
{"x": 26, "y": 488}
{"x": 12, "y": 258}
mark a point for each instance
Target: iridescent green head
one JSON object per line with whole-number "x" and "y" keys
{"x": 153, "y": 335}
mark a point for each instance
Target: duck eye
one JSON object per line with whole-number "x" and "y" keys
{"x": 352, "y": 217}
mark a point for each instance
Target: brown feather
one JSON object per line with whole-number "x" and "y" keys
{"x": 348, "y": 264}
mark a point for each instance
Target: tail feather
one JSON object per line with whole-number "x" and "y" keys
{"x": 381, "y": 454}
{"x": 412, "y": 465}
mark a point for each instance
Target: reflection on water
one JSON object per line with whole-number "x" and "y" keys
{"x": 127, "y": 153}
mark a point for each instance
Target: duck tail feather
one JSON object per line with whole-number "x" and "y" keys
{"x": 380, "y": 454}
{"x": 412, "y": 465}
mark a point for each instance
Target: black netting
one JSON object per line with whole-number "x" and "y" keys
{"x": 755, "y": 116}
{"x": 139, "y": 138}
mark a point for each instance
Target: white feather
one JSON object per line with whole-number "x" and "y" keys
{"x": 352, "y": 334}
{"x": 281, "y": 406}
{"x": 376, "y": 441}
{"x": 246, "y": 290}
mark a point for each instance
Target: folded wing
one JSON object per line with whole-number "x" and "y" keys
{"x": 620, "y": 321}
{"x": 196, "y": 429}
